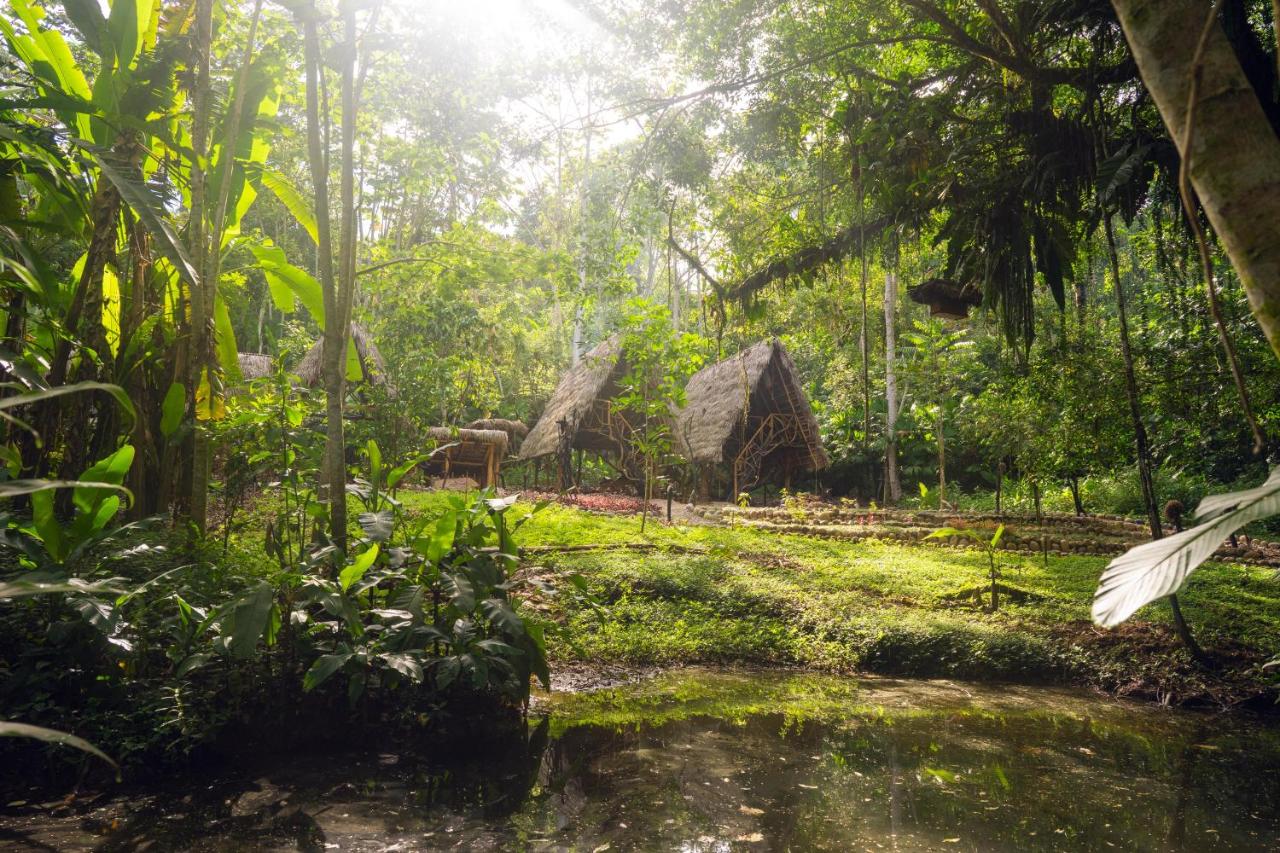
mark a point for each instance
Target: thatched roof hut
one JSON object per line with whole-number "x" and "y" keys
{"x": 515, "y": 430}
{"x": 373, "y": 370}
{"x": 474, "y": 452}
{"x": 751, "y": 412}
{"x": 580, "y": 407}
{"x": 946, "y": 298}
{"x": 255, "y": 365}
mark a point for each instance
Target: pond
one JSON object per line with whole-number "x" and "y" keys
{"x": 701, "y": 760}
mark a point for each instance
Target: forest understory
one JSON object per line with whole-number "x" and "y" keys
{"x": 730, "y": 594}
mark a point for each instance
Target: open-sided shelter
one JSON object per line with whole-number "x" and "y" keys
{"x": 946, "y": 299}
{"x": 475, "y": 453}
{"x": 750, "y": 414}
{"x": 516, "y": 431}
{"x": 580, "y": 414}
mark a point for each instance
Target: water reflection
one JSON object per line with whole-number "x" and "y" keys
{"x": 712, "y": 762}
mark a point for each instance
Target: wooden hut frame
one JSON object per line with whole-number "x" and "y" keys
{"x": 750, "y": 411}
{"x": 516, "y": 431}
{"x": 580, "y": 414}
{"x": 477, "y": 453}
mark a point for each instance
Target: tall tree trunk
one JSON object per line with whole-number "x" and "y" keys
{"x": 338, "y": 325}
{"x": 333, "y": 474}
{"x": 201, "y": 348}
{"x": 1235, "y": 155}
{"x": 1131, "y": 389}
{"x": 942, "y": 459}
{"x": 893, "y": 406}
{"x": 1140, "y": 437}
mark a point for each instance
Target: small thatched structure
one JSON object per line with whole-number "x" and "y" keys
{"x": 475, "y": 452}
{"x": 515, "y": 430}
{"x": 580, "y": 415}
{"x": 255, "y": 366}
{"x": 750, "y": 412}
{"x": 946, "y": 298}
{"x": 373, "y": 370}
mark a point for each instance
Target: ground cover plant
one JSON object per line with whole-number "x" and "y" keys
{"x": 732, "y": 594}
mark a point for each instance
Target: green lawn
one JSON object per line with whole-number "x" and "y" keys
{"x": 715, "y": 594}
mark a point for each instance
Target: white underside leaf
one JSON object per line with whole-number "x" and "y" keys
{"x": 1159, "y": 568}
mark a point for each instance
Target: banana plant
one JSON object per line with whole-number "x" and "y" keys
{"x": 1161, "y": 567}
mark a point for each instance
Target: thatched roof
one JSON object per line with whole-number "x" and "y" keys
{"x": 575, "y": 397}
{"x": 448, "y": 435}
{"x": 373, "y": 369}
{"x": 725, "y": 400}
{"x": 467, "y": 450}
{"x": 255, "y": 366}
{"x": 515, "y": 430}
{"x": 946, "y": 298}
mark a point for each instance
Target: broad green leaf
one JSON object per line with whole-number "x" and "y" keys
{"x": 128, "y": 24}
{"x": 48, "y": 528}
{"x": 228, "y": 354}
{"x": 8, "y": 729}
{"x": 447, "y": 670}
{"x": 249, "y": 620}
{"x": 442, "y": 537}
{"x": 111, "y": 469}
{"x": 26, "y": 589}
{"x": 87, "y": 17}
{"x": 378, "y": 526}
{"x": 292, "y": 199}
{"x": 354, "y": 372}
{"x": 324, "y": 667}
{"x": 111, "y": 309}
{"x": 405, "y": 664}
{"x": 14, "y": 488}
{"x": 271, "y": 261}
{"x": 995, "y": 540}
{"x": 28, "y": 397}
{"x": 352, "y": 574}
{"x": 172, "y": 409}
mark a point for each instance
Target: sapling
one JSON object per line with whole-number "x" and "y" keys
{"x": 989, "y": 546}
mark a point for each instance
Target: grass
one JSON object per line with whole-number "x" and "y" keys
{"x": 707, "y": 594}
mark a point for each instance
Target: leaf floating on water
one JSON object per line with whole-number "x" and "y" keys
{"x": 748, "y": 810}
{"x": 602, "y": 848}
{"x": 808, "y": 787}
{"x": 951, "y": 840}
{"x": 755, "y": 836}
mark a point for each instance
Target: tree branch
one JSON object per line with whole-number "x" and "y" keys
{"x": 809, "y": 258}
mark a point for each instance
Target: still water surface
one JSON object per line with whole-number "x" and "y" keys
{"x": 720, "y": 761}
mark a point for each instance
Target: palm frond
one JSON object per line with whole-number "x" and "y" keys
{"x": 1159, "y": 568}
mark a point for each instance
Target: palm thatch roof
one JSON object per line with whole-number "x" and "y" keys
{"x": 581, "y": 404}
{"x": 515, "y": 430}
{"x": 471, "y": 451}
{"x": 459, "y": 437}
{"x": 255, "y": 365}
{"x": 946, "y": 298}
{"x": 373, "y": 370}
{"x": 751, "y": 400}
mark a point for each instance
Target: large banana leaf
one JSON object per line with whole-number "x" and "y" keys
{"x": 1159, "y": 568}
{"x": 8, "y": 729}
